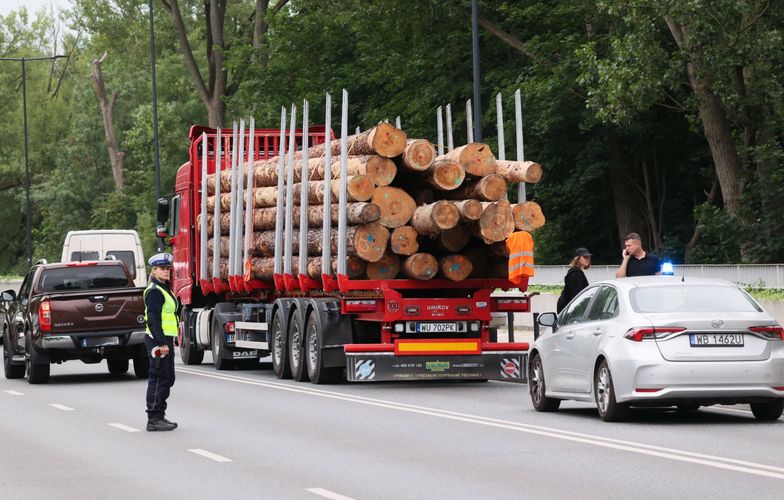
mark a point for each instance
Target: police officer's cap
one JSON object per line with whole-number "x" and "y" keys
{"x": 160, "y": 260}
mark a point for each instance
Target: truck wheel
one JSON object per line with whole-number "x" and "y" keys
{"x": 280, "y": 364}
{"x": 299, "y": 370}
{"x": 217, "y": 339}
{"x": 11, "y": 369}
{"x": 117, "y": 366}
{"x": 141, "y": 363}
{"x": 319, "y": 374}
{"x": 189, "y": 351}
{"x": 36, "y": 364}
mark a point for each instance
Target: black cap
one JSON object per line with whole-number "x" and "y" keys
{"x": 582, "y": 252}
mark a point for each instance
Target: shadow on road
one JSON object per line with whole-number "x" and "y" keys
{"x": 669, "y": 416}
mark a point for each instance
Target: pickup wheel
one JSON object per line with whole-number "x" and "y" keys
{"x": 314, "y": 338}
{"x": 117, "y": 366}
{"x": 217, "y": 347}
{"x": 36, "y": 364}
{"x": 299, "y": 370}
{"x": 189, "y": 351}
{"x": 12, "y": 370}
{"x": 280, "y": 362}
{"x": 141, "y": 363}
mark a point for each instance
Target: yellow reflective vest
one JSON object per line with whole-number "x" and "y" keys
{"x": 169, "y": 323}
{"x": 521, "y": 257}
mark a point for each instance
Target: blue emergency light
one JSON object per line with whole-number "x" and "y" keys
{"x": 667, "y": 269}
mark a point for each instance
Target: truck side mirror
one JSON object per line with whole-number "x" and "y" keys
{"x": 163, "y": 210}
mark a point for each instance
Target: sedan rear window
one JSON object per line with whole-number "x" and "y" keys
{"x": 83, "y": 278}
{"x": 691, "y": 298}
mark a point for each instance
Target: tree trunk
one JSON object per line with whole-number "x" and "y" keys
{"x": 430, "y": 220}
{"x": 262, "y": 267}
{"x": 479, "y": 262}
{"x": 476, "y": 159}
{"x": 445, "y": 175}
{"x": 418, "y": 155}
{"x": 455, "y": 267}
{"x": 528, "y": 216}
{"x": 386, "y": 268}
{"x": 420, "y": 266}
{"x": 519, "y": 171}
{"x": 383, "y": 140}
{"x": 403, "y": 241}
{"x": 358, "y": 188}
{"x": 396, "y": 206}
{"x": 488, "y": 188}
{"x": 107, "y": 112}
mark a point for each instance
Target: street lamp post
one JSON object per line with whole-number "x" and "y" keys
{"x": 29, "y": 217}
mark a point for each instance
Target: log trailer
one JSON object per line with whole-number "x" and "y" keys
{"x": 314, "y": 329}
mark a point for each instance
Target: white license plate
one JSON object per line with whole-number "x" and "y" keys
{"x": 436, "y": 327}
{"x": 716, "y": 339}
{"x": 100, "y": 341}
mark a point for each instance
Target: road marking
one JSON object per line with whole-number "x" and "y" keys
{"x": 123, "y": 427}
{"x": 14, "y": 393}
{"x": 630, "y": 446}
{"x": 210, "y": 455}
{"x": 61, "y": 407}
{"x": 327, "y": 494}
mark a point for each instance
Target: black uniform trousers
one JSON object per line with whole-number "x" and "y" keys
{"x": 161, "y": 378}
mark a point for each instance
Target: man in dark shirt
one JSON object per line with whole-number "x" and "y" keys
{"x": 636, "y": 261}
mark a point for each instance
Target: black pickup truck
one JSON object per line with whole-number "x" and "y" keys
{"x": 76, "y": 310}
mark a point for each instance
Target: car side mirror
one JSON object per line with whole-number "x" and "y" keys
{"x": 548, "y": 319}
{"x": 163, "y": 210}
{"x": 9, "y": 295}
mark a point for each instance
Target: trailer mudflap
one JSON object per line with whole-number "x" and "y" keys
{"x": 509, "y": 366}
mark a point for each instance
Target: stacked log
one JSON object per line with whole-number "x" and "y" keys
{"x": 410, "y": 213}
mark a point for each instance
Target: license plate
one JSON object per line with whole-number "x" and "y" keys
{"x": 100, "y": 341}
{"x": 436, "y": 327}
{"x": 716, "y": 339}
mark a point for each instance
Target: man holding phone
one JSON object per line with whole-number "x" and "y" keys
{"x": 636, "y": 261}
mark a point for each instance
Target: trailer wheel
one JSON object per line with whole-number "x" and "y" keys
{"x": 217, "y": 337}
{"x": 189, "y": 350}
{"x": 299, "y": 370}
{"x": 319, "y": 374}
{"x": 280, "y": 363}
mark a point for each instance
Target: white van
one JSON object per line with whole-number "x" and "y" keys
{"x": 102, "y": 244}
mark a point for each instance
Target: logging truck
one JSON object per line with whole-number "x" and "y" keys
{"x": 261, "y": 270}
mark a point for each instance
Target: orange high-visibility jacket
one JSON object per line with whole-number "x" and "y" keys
{"x": 521, "y": 256}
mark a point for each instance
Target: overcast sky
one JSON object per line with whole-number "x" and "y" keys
{"x": 33, "y": 6}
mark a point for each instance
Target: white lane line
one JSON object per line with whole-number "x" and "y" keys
{"x": 210, "y": 455}
{"x": 123, "y": 427}
{"x": 327, "y": 494}
{"x": 630, "y": 446}
{"x": 15, "y": 393}
{"x": 61, "y": 407}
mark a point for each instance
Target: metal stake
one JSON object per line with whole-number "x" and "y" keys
{"x": 450, "y": 144}
{"x": 287, "y": 257}
{"x": 469, "y": 123}
{"x": 216, "y": 231}
{"x": 303, "y": 199}
{"x": 278, "y": 261}
{"x": 232, "y": 214}
{"x": 240, "y": 203}
{"x": 499, "y": 111}
{"x": 326, "y": 242}
{"x": 203, "y": 225}
{"x": 249, "y": 193}
{"x": 343, "y": 188}
{"x": 440, "y": 126}
{"x": 520, "y": 148}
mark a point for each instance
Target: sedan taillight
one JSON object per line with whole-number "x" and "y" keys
{"x": 651, "y": 333}
{"x": 45, "y": 316}
{"x": 774, "y": 332}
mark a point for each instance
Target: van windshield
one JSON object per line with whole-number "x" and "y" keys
{"x": 83, "y": 278}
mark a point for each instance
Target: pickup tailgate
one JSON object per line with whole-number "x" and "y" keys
{"x": 96, "y": 310}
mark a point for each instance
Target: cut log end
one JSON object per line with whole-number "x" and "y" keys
{"x": 420, "y": 266}
{"x": 470, "y": 210}
{"x": 455, "y": 267}
{"x": 445, "y": 175}
{"x": 403, "y": 241}
{"x": 528, "y": 216}
{"x": 386, "y": 268}
{"x": 418, "y": 155}
{"x": 370, "y": 241}
{"x": 397, "y": 207}
{"x": 386, "y": 140}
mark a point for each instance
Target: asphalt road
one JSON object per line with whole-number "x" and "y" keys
{"x": 246, "y": 434}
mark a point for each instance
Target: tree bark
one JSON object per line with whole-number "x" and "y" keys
{"x": 107, "y": 112}
{"x": 488, "y": 188}
{"x": 519, "y": 171}
{"x": 476, "y": 159}
{"x": 383, "y": 140}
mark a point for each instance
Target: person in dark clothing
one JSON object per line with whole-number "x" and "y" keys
{"x": 161, "y": 309}
{"x": 575, "y": 279}
{"x": 636, "y": 261}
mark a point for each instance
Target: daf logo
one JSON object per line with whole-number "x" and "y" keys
{"x": 717, "y": 323}
{"x": 99, "y": 307}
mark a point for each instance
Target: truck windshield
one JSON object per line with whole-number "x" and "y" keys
{"x": 83, "y": 278}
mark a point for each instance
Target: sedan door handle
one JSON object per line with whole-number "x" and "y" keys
{"x": 570, "y": 335}
{"x": 597, "y": 332}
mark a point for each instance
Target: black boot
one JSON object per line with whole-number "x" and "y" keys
{"x": 160, "y": 425}
{"x": 169, "y": 422}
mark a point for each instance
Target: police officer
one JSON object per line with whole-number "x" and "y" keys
{"x": 161, "y": 317}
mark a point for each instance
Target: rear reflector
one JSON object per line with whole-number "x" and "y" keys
{"x": 646, "y": 389}
{"x": 359, "y": 305}
{"x": 651, "y": 333}
{"x": 512, "y": 304}
{"x": 437, "y": 346}
{"x": 229, "y": 327}
{"x": 769, "y": 331}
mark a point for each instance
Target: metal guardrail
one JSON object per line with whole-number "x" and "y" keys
{"x": 754, "y": 275}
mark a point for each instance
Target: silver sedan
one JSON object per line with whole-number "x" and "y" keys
{"x": 659, "y": 341}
